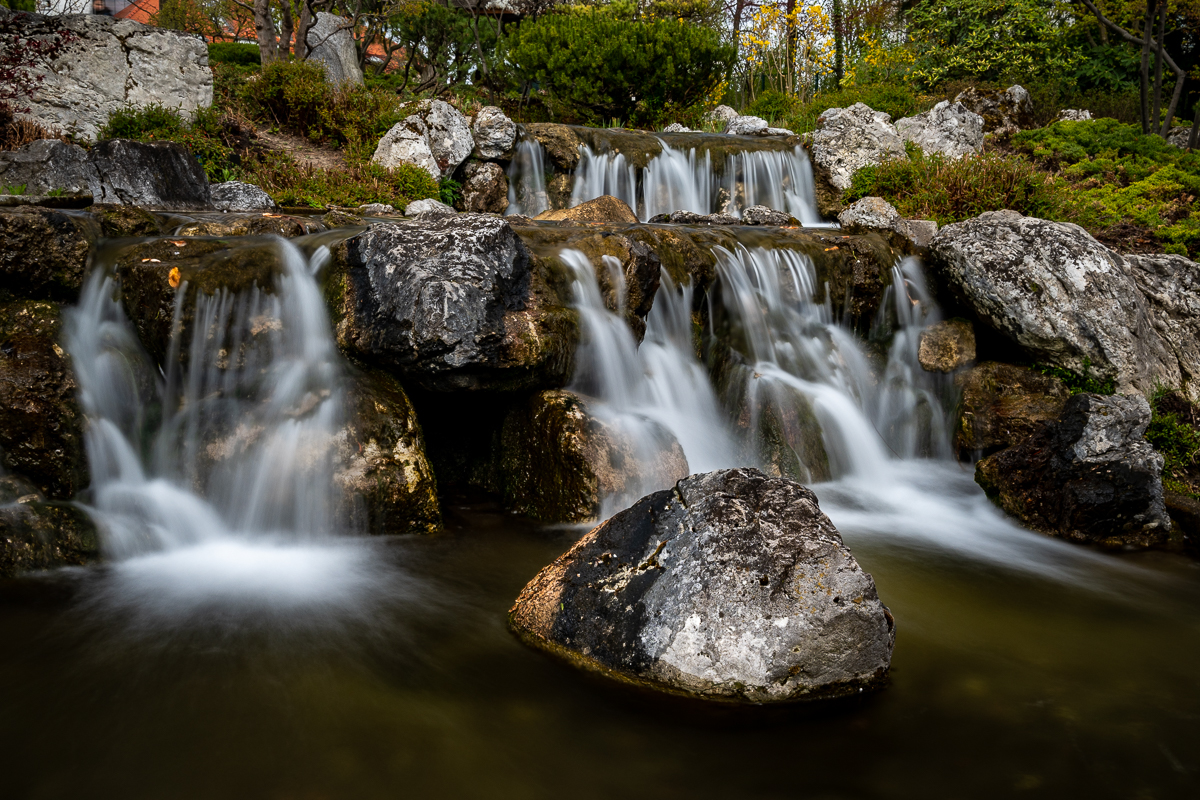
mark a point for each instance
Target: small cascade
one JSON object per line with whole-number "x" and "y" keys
{"x": 527, "y": 179}
{"x": 233, "y": 443}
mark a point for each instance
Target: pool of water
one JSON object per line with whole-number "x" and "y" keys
{"x": 382, "y": 669}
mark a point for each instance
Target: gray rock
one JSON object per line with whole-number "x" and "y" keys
{"x": 949, "y": 129}
{"x": 376, "y": 209}
{"x": 407, "y": 143}
{"x": 848, "y": 139}
{"x": 721, "y": 114}
{"x": 731, "y": 586}
{"x": 114, "y": 64}
{"x": 675, "y": 127}
{"x": 1073, "y": 115}
{"x": 453, "y": 303}
{"x": 495, "y": 134}
{"x": 870, "y": 213}
{"x": 428, "y": 208}
{"x": 331, "y": 42}
{"x": 485, "y": 188}
{"x": 238, "y": 196}
{"x": 449, "y": 135}
{"x": 150, "y": 174}
{"x": 1004, "y": 112}
{"x": 1171, "y": 286}
{"x": 1090, "y": 476}
{"x": 1058, "y": 294}
{"x": 919, "y": 231}
{"x": 746, "y": 126}
{"x": 761, "y": 215}
{"x": 1178, "y": 135}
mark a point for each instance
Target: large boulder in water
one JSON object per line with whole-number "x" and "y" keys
{"x": 559, "y": 461}
{"x": 44, "y": 253}
{"x": 111, "y": 65}
{"x": 453, "y": 303}
{"x": 949, "y": 129}
{"x": 331, "y": 43}
{"x": 41, "y": 425}
{"x": 1002, "y": 405}
{"x": 848, "y": 139}
{"x": 1057, "y": 294}
{"x": 1089, "y": 476}
{"x": 730, "y": 586}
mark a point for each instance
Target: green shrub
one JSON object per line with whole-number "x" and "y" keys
{"x": 898, "y": 100}
{"x": 293, "y": 185}
{"x": 952, "y": 190}
{"x": 234, "y": 53}
{"x": 1077, "y": 383}
{"x": 598, "y": 64}
{"x": 1174, "y": 433}
{"x": 772, "y": 105}
{"x": 204, "y": 136}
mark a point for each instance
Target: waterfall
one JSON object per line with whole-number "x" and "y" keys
{"x": 527, "y": 180}
{"x": 233, "y": 443}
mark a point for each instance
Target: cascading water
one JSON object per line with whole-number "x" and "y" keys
{"x": 527, "y": 179}
{"x": 231, "y": 490}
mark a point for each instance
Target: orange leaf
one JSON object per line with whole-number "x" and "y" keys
{"x": 173, "y": 277}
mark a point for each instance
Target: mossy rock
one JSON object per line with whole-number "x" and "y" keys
{"x": 44, "y": 253}
{"x": 1002, "y": 405}
{"x": 41, "y": 425}
{"x": 120, "y": 222}
{"x": 37, "y": 535}
{"x": 251, "y": 224}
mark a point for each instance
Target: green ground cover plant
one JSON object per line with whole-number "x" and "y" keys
{"x": 292, "y": 184}
{"x": 205, "y": 135}
{"x": 1175, "y": 433}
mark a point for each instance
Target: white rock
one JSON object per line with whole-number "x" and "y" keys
{"x": 948, "y": 128}
{"x": 428, "y": 208}
{"x": 449, "y": 135}
{"x": 848, "y": 139}
{"x": 494, "y": 133}
{"x": 746, "y": 126}
{"x": 675, "y": 127}
{"x": 721, "y": 114}
{"x": 114, "y": 64}
{"x": 239, "y": 196}
{"x": 871, "y": 213}
{"x": 1073, "y": 115}
{"x": 407, "y": 143}
{"x": 332, "y": 43}
{"x": 376, "y": 209}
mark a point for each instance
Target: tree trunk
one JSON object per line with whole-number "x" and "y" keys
{"x": 285, "y": 28}
{"x": 264, "y": 26}
{"x": 838, "y": 41}
{"x": 1144, "y": 72}
{"x": 1156, "y": 117}
{"x": 790, "y": 48}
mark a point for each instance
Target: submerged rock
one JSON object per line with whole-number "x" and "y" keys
{"x": 732, "y": 586}
{"x": 949, "y": 129}
{"x": 1089, "y": 476}
{"x": 382, "y": 470}
{"x": 605, "y": 208}
{"x": 44, "y": 253}
{"x": 848, "y": 139}
{"x": 118, "y": 221}
{"x": 239, "y": 196}
{"x": 1058, "y": 294}
{"x": 559, "y": 461}
{"x": 947, "y": 346}
{"x": 1002, "y": 405}
{"x": 453, "y": 302}
{"x": 331, "y": 39}
{"x": 41, "y": 425}
{"x": 259, "y": 224}
{"x": 495, "y": 134}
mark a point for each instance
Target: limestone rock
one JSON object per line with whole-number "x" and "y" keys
{"x": 1178, "y": 135}
{"x": 949, "y": 129}
{"x": 449, "y": 134}
{"x": 428, "y": 208}
{"x": 560, "y": 461}
{"x": 919, "y": 231}
{"x": 875, "y": 213}
{"x": 376, "y": 209}
{"x": 947, "y": 346}
{"x": 721, "y": 114}
{"x": 495, "y": 134}
{"x": 1171, "y": 286}
{"x": 113, "y": 64}
{"x": 36, "y": 535}
{"x": 628, "y": 273}
{"x": 331, "y": 42}
{"x": 1004, "y": 112}
{"x": 761, "y": 215}
{"x": 743, "y": 591}
{"x": 1090, "y": 476}
{"x": 485, "y": 188}
{"x": 454, "y": 303}
{"x": 382, "y": 469}
{"x": 746, "y": 126}
{"x": 251, "y": 224}
{"x": 161, "y": 175}
{"x": 675, "y": 127}
{"x": 41, "y": 425}
{"x": 239, "y": 196}
{"x": 1058, "y": 294}
{"x": 49, "y": 165}
{"x": 848, "y": 139}
{"x": 560, "y": 142}
{"x": 1002, "y": 405}
{"x": 1073, "y": 115}
{"x": 605, "y": 208}
{"x": 44, "y": 253}
{"x": 407, "y": 142}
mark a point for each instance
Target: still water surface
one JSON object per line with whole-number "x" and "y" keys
{"x": 382, "y": 669}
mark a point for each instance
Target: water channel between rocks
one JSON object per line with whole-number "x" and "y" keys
{"x": 234, "y": 645}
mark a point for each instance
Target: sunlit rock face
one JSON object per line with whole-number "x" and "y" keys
{"x": 731, "y": 586}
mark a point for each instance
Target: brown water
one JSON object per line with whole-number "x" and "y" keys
{"x": 405, "y": 683}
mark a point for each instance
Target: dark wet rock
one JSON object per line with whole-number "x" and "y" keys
{"x": 250, "y": 224}
{"x": 37, "y": 535}
{"x": 44, "y": 253}
{"x": 117, "y": 221}
{"x": 947, "y": 346}
{"x": 157, "y": 175}
{"x": 1185, "y": 514}
{"x": 150, "y": 275}
{"x": 1057, "y": 294}
{"x": 239, "y": 196}
{"x": 637, "y": 264}
{"x": 1089, "y": 476}
{"x": 732, "y": 586}
{"x": 340, "y": 219}
{"x": 1002, "y": 405}
{"x": 561, "y": 142}
{"x": 605, "y": 208}
{"x": 1004, "y": 111}
{"x": 41, "y": 425}
{"x": 761, "y": 215}
{"x": 485, "y": 188}
{"x": 558, "y": 190}
{"x": 692, "y": 218}
{"x": 49, "y": 165}
{"x": 383, "y": 471}
{"x": 558, "y": 461}
{"x": 454, "y": 303}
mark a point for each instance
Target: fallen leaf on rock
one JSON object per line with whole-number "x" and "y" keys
{"x": 173, "y": 277}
